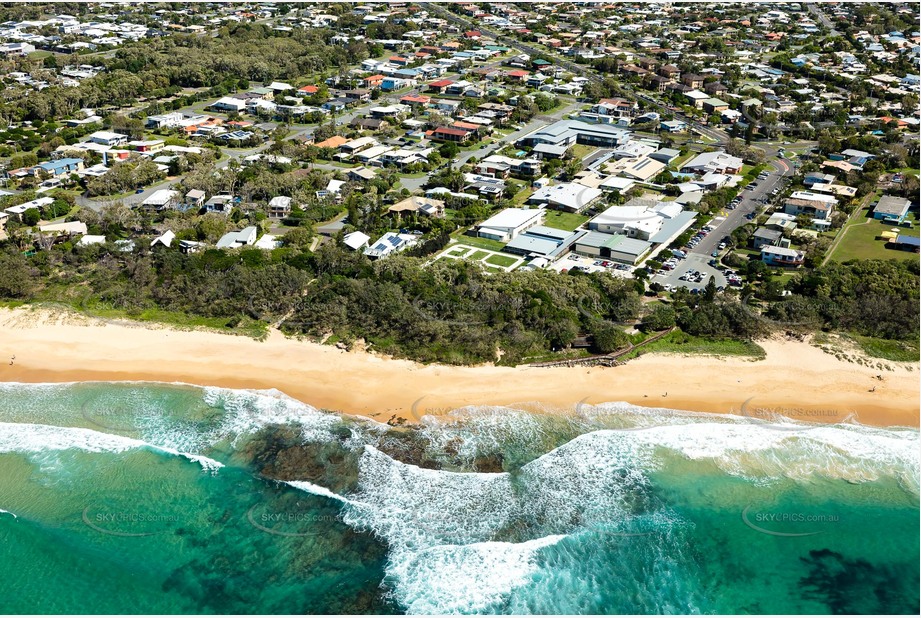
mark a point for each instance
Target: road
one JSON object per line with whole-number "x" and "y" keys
{"x": 736, "y": 218}
{"x": 822, "y": 17}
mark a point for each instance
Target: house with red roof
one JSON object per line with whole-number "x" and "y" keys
{"x": 517, "y": 75}
{"x": 451, "y": 134}
{"x": 374, "y": 81}
{"x": 440, "y": 85}
{"x": 414, "y": 100}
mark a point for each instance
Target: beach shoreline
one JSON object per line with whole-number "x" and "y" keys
{"x": 795, "y": 379}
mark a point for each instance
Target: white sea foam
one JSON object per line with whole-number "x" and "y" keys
{"x": 319, "y": 490}
{"x": 39, "y": 439}
{"x": 452, "y": 579}
{"x": 449, "y": 533}
{"x": 5, "y": 512}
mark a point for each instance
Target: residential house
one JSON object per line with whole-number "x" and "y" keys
{"x": 280, "y": 206}
{"x": 390, "y": 243}
{"x": 782, "y": 256}
{"x": 108, "y": 138}
{"x": 221, "y": 204}
{"x": 61, "y": 167}
{"x": 422, "y": 205}
{"x": 452, "y": 134}
{"x": 356, "y": 240}
{"x": 233, "y": 240}
{"x": 767, "y": 237}
{"x": 161, "y": 199}
{"x": 814, "y": 205}
{"x": 195, "y": 199}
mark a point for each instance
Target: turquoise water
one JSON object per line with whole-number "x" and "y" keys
{"x": 152, "y": 498}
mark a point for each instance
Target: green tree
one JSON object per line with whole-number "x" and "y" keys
{"x": 31, "y": 216}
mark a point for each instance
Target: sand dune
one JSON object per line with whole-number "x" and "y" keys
{"x": 795, "y": 379}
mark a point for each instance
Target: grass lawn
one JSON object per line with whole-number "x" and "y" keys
{"x": 564, "y": 220}
{"x": 501, "y": 260}
{"x": 458, "y": 251}
{"x": 677, "y": 163}
{"x": 481, "y": 243}
{"x": 522, "y": 196}
{"x": 39, "y": 54}
{"x": 682, "y": 343}
{"x": 581, "y": 150}
{"x": 477, "y": 255}
{"x": 859, "y": 240}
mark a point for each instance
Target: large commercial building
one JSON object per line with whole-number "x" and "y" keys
{"x": 569, "y": 132}
{"x": 506, "y": 225}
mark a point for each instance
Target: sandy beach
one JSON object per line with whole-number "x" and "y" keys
{"x": 795, "y": 379}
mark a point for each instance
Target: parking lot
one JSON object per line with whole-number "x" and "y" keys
{"x": 675, "y": 278}
{"x": 574, "y": 261}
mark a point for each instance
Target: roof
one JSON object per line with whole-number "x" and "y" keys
{"x": 452, "y": 131}
{"x": 527, "y": 243}
{"x": 569, "y": 130}
{"x": 334, "y": 142}
{"x": 615, "y": 242}
{"x": 569, "y": 194}
{"x": 912, "y": 241}
{"x": 890, "y": 205}
{"x": 160, "y": 197}
{"x": 768, "y": 233}
{"x": 511, "y": 218}
{"x": 356, "y": 240}
{"x": 782, "y": 251}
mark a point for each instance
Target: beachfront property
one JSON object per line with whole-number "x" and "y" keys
{"x": 242, "y": 238}
{"x": 390, "y": 243}
{"x": 782, "y": 256}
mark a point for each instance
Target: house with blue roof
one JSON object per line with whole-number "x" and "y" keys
{"x": 61, "y": 167}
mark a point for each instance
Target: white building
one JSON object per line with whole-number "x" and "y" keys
{"x": 568, "y": 196}
{"x": 233, "y": 240}
{"x": 509, "y": 223}
{"x": 107, "y": 138}
{"x": 161, "y": 199}
{"x": 389, "y": 243}
{"x": 356, "y": 240}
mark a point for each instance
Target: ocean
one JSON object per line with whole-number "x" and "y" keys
{"x": 164, "y": 498}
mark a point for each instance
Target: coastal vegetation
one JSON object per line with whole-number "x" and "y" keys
{"x": 454, "y": 311}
